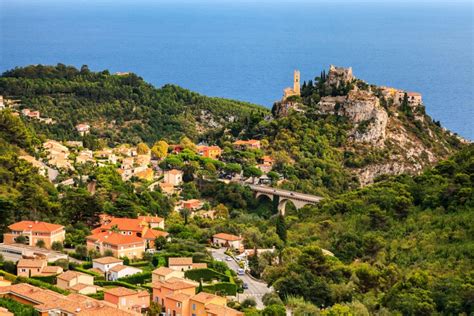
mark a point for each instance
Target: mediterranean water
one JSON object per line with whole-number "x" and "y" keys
{"x": 247, "y": 50}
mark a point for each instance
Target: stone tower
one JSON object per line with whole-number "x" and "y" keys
{"x": 296, "y": 82}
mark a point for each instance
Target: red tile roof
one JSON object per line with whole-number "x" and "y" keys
{"x": 180, "y": 261}
{"x": 151, "y": 219}
{"x": 107, "y": 260}
{"x": 120, "y": 291}
{"x": 124, "y": 224}
{"x": 35, "y": 226}
{"x": 114, "y": 238}
{"x": 228, "y": 237}
{"x": 154, "y": 233}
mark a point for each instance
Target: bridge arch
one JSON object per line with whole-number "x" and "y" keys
{"x": 297, "y": 203}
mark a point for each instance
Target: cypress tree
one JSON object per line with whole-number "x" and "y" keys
{"x": 281, "y": 228}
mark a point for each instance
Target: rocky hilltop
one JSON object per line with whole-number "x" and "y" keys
{"x": 389, "y": 122}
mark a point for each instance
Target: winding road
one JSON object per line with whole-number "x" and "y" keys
{"x": 256, "y": 289}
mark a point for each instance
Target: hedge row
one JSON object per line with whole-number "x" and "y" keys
{"x": 18, "y": 309}
{"x": 206, "y": 275}
{"x": 8, "y": 276}
{"x": 117, "y": 283}
{"x": 138, "y": 278}
{"x": 51, "y": 279}
{"x": 94, "y": 274}
{"x": 223, "y": 288}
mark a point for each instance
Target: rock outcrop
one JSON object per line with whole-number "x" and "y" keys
{"x": 408, "y": 138}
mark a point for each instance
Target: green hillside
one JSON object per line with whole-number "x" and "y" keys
{"x": 120, "y": 108}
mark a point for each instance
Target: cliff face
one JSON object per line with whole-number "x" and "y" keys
{"x": 387, "y": 121}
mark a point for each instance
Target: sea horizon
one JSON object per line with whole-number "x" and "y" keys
{"x": 247, "y": 51}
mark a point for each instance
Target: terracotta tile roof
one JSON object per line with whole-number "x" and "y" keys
{"x": 107, "y": 260}
{"x": 76, "y": 304}
{"x": 220, "y": 310}
{"x": 70, "y": 274}
{"x": 228, "y": 237}
{"x": 174, "y": 171}
{"x": 125, "y": 224}
{"x": 179, "y": 297}
{"x": 30, "y": 263}
{"x": 151, "y": 219}
{"x": 174, "y": 284}
{"x": 413, "y": 94}
{"x": 120, "y": 291}
{"x": 121, "y": 267}
{"x": 180, "y": 261}
{"x": 153, "y": 233}
{"x": 163, "y": 271}
{"x": 99, "y": 271}
{"x": 114, "y": 238}
{"x": 204, "y": 297}
{"x": 199, "y": 265}
{"x": 80, "y": 286}
{"x": 52, "y": 269}
{"x": 35, "y": 226}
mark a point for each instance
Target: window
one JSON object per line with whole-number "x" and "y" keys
{"x": 194, "y": 308}
{"x": 178, "y": 304}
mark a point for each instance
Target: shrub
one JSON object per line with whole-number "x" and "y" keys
{"x": 57, "y": 245}
{"x": 51, "y": 279}
{"x": 117, "y": 283}
{"x": 139, "y": 278}
{"x": 8, "y": 276}
{"x": 223, "y": 288}
{"x": 18, "y": 308}
{"x": 206, "y": 275}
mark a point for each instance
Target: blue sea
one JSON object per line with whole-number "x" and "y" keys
{"x": 247, "y": 50}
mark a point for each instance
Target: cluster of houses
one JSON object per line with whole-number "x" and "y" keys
{"x": 397, "y": 95}
{"x": 32, "y": 114}
{"x": 119, "y": 237}
{"x": 170, "y": 289}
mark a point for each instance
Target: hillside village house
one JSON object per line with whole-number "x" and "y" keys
{"x": 247, "y": 144}
{"x": 166, "y": 188}
{"x": 213, "y": 152}
{"x": 184, "y": 264}
{"x": 174, "y": 177}
{"x": 119, "y": 244}
{"x": 104, "y": 264}
{"x": 153, "y": 221}
{"x": 36, "y": 267}
{"x": 192, "y": 204}
{"x": 77, "y": 282}
{"x": 48, "y": 302}
{"x": 83, "y": 128}
{"x": 141, "y": 227}
{"x": 33, "y": 231}
{"x": 127, "y": 299}
{"x": 120, "y": 271}
{"x": 227, "y": 240}
{"x": 178, "y": 297}
{"x": 164, "y": 273}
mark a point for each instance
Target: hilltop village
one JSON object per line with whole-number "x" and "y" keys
{"x": 264, "y": 216}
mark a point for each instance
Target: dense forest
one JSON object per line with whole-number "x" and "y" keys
{"x": 403, "y": 244}
{"x": 119, "y": 108}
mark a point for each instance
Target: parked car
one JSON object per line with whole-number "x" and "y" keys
{"x": 240, "y": 271}
{"x": 245, "y": 286}
{"x": 228, "y": 259}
